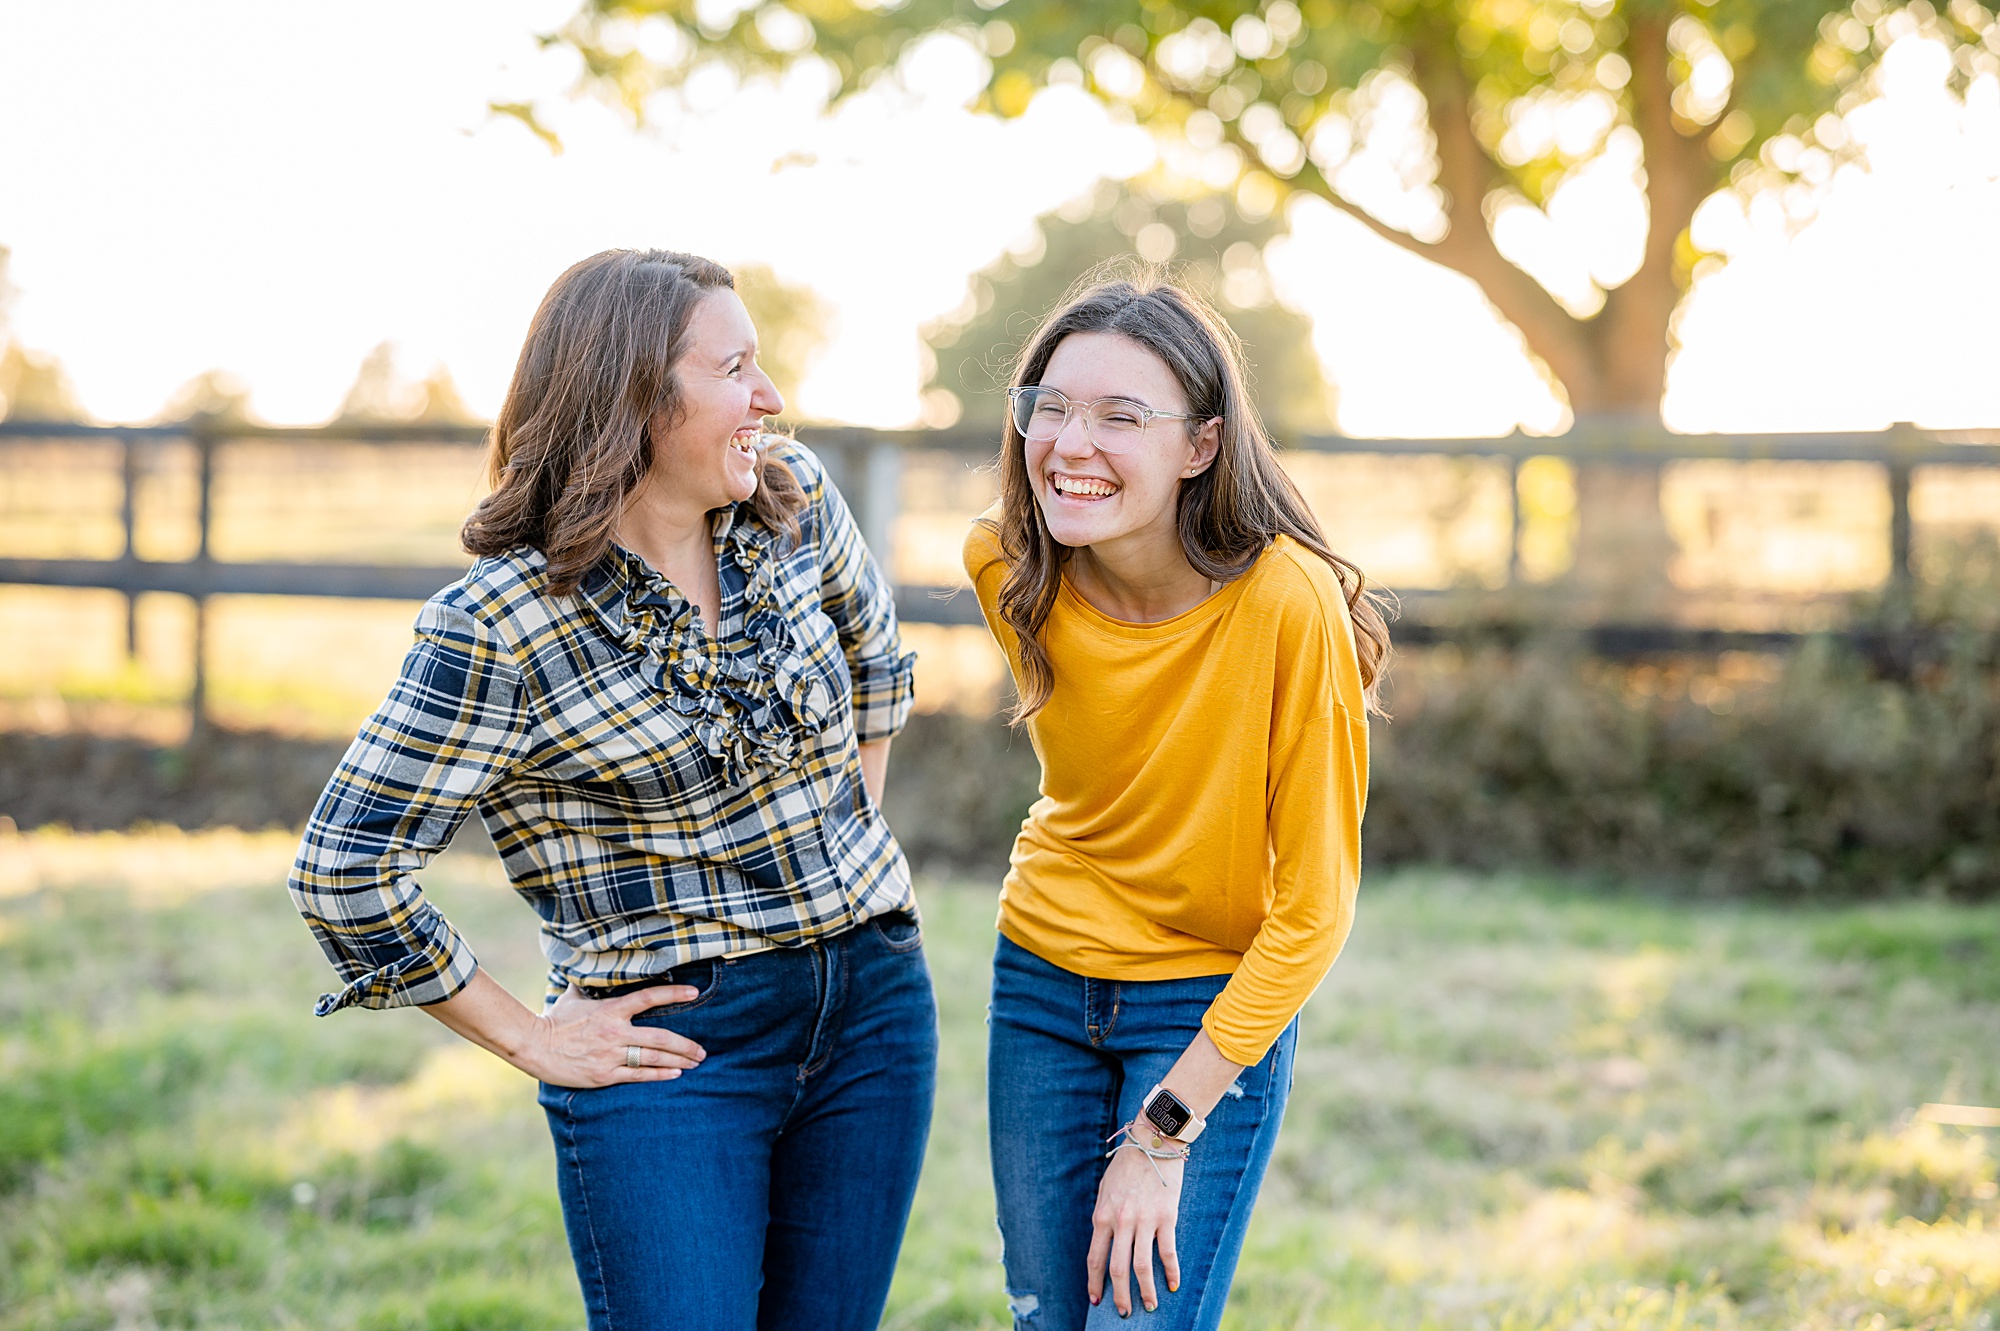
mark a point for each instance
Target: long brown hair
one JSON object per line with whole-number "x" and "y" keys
{"x": 574, "y": 437}
{"x": 1227, "y": 515}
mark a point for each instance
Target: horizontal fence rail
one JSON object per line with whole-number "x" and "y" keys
{"x": 867, "y": 466}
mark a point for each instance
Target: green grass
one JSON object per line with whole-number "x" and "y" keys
{"x": 1519, "y": 1105}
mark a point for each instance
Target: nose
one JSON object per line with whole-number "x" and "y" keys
{"x": 1074, "y": 440}
{"x": 766, "y": 397}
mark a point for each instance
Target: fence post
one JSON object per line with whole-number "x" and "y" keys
{"x": 869, "y": 475}
{"x": 1902, "y": 436}
{"x": 204, "y": 443}
{"x": 128, "y": 449}
{"x": 882, "y": 482}
{"x": 1520, "y": 519}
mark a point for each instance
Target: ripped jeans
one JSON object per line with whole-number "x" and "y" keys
{"x": 1068, "y": 1058}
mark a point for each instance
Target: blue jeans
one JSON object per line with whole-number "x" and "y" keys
{"x": 1068, "y": 1059}
{"x": 768, "y": 1187}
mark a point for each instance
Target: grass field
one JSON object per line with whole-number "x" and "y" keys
{"x": 1519, "y": 1105}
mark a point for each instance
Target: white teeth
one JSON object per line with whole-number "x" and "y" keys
{"x": 1078, "y": 485}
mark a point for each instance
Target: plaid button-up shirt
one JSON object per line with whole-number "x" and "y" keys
{"x": 658, "y": 795}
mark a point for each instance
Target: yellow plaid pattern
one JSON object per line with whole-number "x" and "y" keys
{"x": 657, "y": 794}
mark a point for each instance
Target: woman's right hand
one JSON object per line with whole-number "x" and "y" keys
{"x": 582, "y": 1042}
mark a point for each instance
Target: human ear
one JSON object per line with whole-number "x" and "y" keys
{"x": 1207, "y": 442}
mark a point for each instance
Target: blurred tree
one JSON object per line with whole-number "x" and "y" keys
{"x": 381, "y": 393}
{"x": 33, "y": 384}
{"x": 1212, "y": 249}
{"x": 1437, "y": 124}
{"x": 443, "y": 404}
{"x": 34, "y": 387}
{"x": 216, "y": 393}
{"x": 1450, "y": 113}
{"x": 792, "y": 325}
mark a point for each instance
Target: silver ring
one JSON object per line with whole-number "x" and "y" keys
{"x": 632, "y": 1056}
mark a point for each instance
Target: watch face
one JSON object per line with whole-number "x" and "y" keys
{"x": 1166, "y": 1112}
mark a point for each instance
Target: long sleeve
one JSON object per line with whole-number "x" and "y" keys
{"x": 1318, "y": 789}
{"x": 862, "y": 605}
{"x": 1203, "y": 779}
{"x": 451, "y": 728}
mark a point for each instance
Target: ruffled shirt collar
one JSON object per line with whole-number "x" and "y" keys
{"x": 747, "y": 692}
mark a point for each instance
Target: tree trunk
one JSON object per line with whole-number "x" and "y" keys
{"x": 1623, "y": 548}
{"x": 1613, "y": 366}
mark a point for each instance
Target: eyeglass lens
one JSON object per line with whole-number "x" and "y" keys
{"x": 1041, "y": 414}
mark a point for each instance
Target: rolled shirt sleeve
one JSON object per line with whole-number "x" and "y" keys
{"x": 862, "y": 605}
{"x": 452, "y": 727}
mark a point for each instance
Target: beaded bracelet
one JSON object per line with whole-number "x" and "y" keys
{"x": 1153, "y": 1154}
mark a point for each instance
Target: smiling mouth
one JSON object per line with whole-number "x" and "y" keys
{"x": 1081, "y": 487}
{"x": 745, "y": 441}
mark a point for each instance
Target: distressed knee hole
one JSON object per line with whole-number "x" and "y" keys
{"x": 1022, "y": 1306}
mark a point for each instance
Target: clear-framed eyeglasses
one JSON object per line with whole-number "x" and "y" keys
{"x": 1114, "y": 424}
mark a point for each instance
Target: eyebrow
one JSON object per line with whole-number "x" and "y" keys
{"x": 750, "y": 351}
{"x": 1108, "y": 397}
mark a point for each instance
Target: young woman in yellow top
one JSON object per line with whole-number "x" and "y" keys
{"x": 1195, "y": 667}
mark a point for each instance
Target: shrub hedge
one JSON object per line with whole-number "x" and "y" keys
{"x": 1813, "y": 775}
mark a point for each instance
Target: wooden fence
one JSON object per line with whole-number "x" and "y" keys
{"x": 869, "y": 466}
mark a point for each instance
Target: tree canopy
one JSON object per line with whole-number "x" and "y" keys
{"x": 33, "y": 384}
{"x": 1212, "y": 250}
{"x": 382, "y": 393}
{"x": 1427, "y": 120}
{"x": 792, "y": 325}
{"x": 218, "y": 394}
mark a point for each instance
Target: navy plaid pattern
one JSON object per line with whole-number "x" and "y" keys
{"x": 658, "y": 795}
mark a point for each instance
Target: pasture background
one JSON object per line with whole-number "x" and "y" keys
{"x": 1518, "y": 1104}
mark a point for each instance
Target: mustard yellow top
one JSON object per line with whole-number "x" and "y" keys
{"x": 1203, "y": 779}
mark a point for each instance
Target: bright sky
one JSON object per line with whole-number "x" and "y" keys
{"x": 274, "y": 188}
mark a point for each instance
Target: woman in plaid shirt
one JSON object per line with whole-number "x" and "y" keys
{"x": 668, "y": 685}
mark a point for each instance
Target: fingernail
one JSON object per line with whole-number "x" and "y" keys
{"x": 1173, "y": 1287}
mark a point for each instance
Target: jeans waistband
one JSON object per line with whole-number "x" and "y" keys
{"x": 694, "y": 972}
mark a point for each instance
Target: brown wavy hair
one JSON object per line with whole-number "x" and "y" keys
{"x": 594, "y": 384}
{"x": 1227, "y": 515}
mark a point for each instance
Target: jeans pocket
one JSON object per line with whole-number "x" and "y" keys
{"x": 704, "y": 976}
{"x": 899, "y": 930}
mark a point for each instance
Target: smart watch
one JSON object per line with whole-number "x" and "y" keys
{"x": 1170, "y": 1116}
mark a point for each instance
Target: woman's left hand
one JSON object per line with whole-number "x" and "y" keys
{"x": 1134, "y": 1212}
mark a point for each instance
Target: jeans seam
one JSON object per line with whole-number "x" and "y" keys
{"x": 1114, "y": 1085}
{"x": 1264, "y": 1110}
{"x": 1096, "y": 1033}
{"x": 823, "y": 1024}
{"x": 583, "y": 1200}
